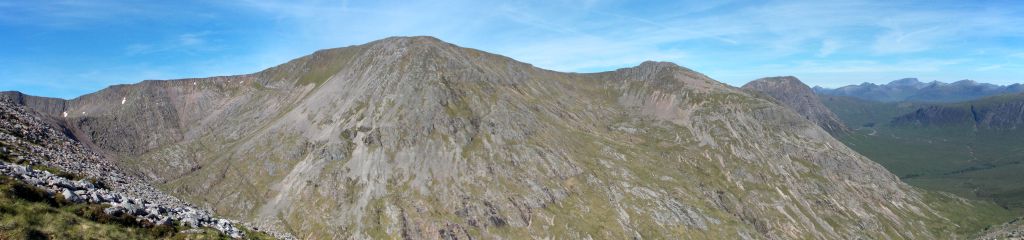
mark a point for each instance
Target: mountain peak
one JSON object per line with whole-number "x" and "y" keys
{"x": 965, "y": 82}
{"x": 659, "y": 64}
{"x": 796, "y": 95}
{"x": 780, "y": 80}
{"x": 905, "y": 82}
{"x": 411, "y": 40}
{"x": 414, "y": 44}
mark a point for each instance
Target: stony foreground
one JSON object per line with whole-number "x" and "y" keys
{"x": 29, "y": 140}
{"x": 84, "y": 191}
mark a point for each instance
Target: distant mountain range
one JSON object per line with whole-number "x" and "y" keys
{"x": 911, "y": 89}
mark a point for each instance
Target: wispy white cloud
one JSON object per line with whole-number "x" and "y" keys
{"x": 899, "y": 41}
{"x": 192, "y": 39}
{"x": 828, "y": 46}
{"x": 78, "y": 14}
{"x": 870, "y": 66}
{"x": 181, "y": 43}
{"x": 990, "y": 67}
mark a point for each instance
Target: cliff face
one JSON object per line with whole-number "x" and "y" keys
{"x": 414, "y": 137}
{"x": 792, "y": 93}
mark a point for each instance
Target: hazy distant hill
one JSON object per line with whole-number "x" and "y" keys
{"x": 910, "y": 89}
{"x": 412, "y": 137}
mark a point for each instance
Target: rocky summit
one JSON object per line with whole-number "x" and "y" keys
{"x": 791, "y": 92}
{"x": 412, "y": 137}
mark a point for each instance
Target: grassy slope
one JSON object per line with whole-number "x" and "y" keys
{"x": 980, "y": 164}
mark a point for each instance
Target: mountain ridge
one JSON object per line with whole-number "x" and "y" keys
{"x": 408, "y": 137}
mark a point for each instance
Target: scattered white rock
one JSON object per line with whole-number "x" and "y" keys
{"x": 84, "y": 191}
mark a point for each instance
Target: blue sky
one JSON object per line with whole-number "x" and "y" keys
{"x": 66, "y": 48}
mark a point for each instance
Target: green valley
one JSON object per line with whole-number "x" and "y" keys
{"x": 966, "y": 148}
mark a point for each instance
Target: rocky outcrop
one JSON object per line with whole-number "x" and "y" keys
{"x": 792, "y": 93}
{"x": 46, "y": 106}
{"x": 120, "y": 204}
{"x": 1013, "y": 230}
{"x": 412, "y": 137}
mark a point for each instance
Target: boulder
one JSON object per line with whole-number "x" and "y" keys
{"x": 153, "y": 210}
{"x": 114, "y": 211}
{"x": 32, "y": 181}
{"x": 133, "y": 209}
{"x": 82, "y": 184}
{"x": 93, "y": 197}
{"x": 60, "y": 182}
{"x": 111, "y": 197}
{"x": 189, "y": 220}
{"x": 70, "y": 196}
{"x": 19, "y": 170}
{"x": 165, "y": 221}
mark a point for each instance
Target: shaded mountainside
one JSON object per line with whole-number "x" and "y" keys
{"x": 910, "y": 89}
{"x": 791, "y": 92}
{"x": 859, "y": 113}
{"x": 1000, "y": 112}
{"x": 416, "y": 138}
